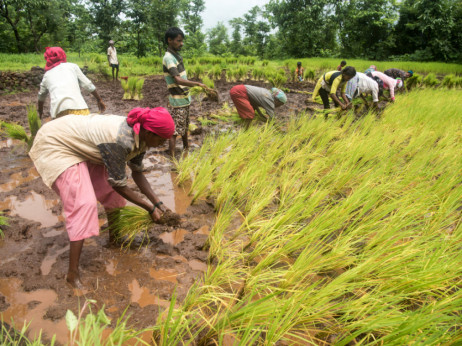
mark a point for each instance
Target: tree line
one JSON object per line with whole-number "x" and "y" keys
{"x": 421, "y": 30}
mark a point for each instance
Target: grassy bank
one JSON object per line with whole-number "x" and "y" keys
{"x": 130, "y": 65}
{"x": 350, "y": 230}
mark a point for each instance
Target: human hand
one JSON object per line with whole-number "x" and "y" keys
{"x": 101, "y": 106}
{"x": 155, "y": 215}
{"x": 343, "y": 106}
{"x": 203, "y": 86}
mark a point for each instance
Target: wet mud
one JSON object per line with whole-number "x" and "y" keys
{"x": 34, "y": 252}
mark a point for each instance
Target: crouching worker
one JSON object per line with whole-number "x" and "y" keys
{"x": 62, "y": 80}
{"x": 247, "y": 99}
{"x": 329, "y": 83}
{"x": 83, "y": 159}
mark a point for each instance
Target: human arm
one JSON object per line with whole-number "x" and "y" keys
{"x": 101, "y": 105}
{"x": 40, "y": 104}
{"x": 187, "y": 82}
{"x": 43, "y": 92}
{"x": 108, "y": 56}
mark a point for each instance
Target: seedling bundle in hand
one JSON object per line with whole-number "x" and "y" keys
{"x": 132, "y": 88}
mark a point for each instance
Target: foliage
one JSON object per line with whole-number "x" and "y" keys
{"x": 218, "y": 40}
{"x": 334, "y": 219}
{"x": 3, "y": 222}
{"x": 18, "y": 132}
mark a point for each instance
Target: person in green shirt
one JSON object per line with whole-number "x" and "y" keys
{"x": 177, "y": 84}
{"x": 329, "y": 83}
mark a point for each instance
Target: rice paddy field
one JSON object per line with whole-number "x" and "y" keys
{"x": 342, "y": 231}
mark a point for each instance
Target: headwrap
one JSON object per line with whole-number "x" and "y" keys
{"x": 279, "y": 94}
{"x": 399, "y": 82}
{"x": 411, "y": 72}
{"x": 54, "y": 56}
{"x": 157, "y": 120}
{"x": 111, "y": 42}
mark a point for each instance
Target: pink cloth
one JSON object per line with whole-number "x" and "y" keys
{"x": 388, "y": 82}
{"x": 157, "y": 120}
{"x": 241, "y": 101}
{"x": 80, "y": 187}
{"x": 54, "y": 56}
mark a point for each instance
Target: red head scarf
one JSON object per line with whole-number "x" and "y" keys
{"x": 54, "y": 56}
{"x": 157, "y": 120}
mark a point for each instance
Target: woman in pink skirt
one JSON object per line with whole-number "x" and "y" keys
{"x": 84, "y": 159}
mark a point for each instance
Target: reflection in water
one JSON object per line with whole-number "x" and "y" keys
{"x": 49, "y": 260}
{"x": 166, "y": 275}
{"x": 143, "y": 296}
{"x": 35, "y": 207}
{"x": 175, "y": 237}
{"x": 175, "y": 198}
{"x": 19, "y": 310}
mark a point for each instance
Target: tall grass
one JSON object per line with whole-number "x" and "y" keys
{"x": 350, "y": 230}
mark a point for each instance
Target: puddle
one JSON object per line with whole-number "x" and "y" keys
{"x": 174, "y": 197}
{"x": 111, "y": 267}
{"x": 166, "y": 275}
{"x": 173, "y": 238}
{"x": 35, "y": 207}
{"x": 17, "y": 179}
{"x": 31, "y": 307}
{"x": 49, "y": 260}
{"x": 143, "y": 297}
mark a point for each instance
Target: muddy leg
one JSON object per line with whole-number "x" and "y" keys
{"x": 73, "y": 275}
{"x": 184, "y": 138}
{"x": 172, "y": 145}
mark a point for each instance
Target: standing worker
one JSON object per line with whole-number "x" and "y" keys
{"x": 299, "y": 72}
{"x": 62, "y": 80}
{"x": 329, "y": 83}
{"x": 177, "y": 83}
{"x": 112, "y": 59}
{"x": 247, "y": 99}
{"x": 83, "y": 159}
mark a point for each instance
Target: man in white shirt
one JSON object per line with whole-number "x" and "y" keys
{"x": 112, "y": 59}
{"x": 365, "y": 85}
{"x": 62, "y": 80}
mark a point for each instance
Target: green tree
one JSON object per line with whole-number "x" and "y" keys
{"x": 256, "y": 29}
{"x": 306, "y": 27}
{"x": 366, "y": 27}
{"x": 105, "y": 14}
{"x": 139, "y": 23}
{"x": 162, "y": 15}
{"x": 218, "y": 39}
{"x": 236, "y": 46}
{"x": 192, "y": 19}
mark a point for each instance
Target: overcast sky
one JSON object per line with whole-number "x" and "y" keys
{"x": 224, "y": 10}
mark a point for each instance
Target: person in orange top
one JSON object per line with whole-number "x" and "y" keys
{"x": 299, "y": 72}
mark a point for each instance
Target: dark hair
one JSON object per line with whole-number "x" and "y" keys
{"x": 173, "y": 33}
{"x": 343, "y": 62}
{"x": 349, "y": 71}
{"x": 299, "y": 63}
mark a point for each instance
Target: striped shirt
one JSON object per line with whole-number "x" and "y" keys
{"x": 173, "y": 66}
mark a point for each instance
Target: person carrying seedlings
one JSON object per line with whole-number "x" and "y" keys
{"x": 299, "y": 72}
{"x": 177, "y": 83}
{"x": 112, "y": 59}
{"x": 397, "y": 73}
{"x": 342, "y": 65}
{"x": 62, "y": 80}
{"x": 389, "y": 83}
{"x": 83, "y": 159}
{"x": 362, "y": 84}
{"x": 247, "y": 99}
{"x": 329, "y": 83}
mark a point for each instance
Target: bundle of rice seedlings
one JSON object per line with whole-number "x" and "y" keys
{"x": 206, "y": 122}
{"x": 278, "y": 80}
{"x": 310, "y": 75}
{"x": 430, "y": 80}
{"x": 14, "y": 131}
{"x": 216, "y": 72}
{"x": 124, "y": 84}
{"x": 33, "y": 119}
{"x": 458, "y": 81}
{"x": 257, "y": 73}
{"x": 139, "y": 88}
{"x": 264, "y": 63}
{"x": 132, "y": 86}
{"x": 230, "y": 75}
{"x": 449, "y": 81}
{"x": 414, "y": 81}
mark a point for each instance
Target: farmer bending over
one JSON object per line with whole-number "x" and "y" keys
{"x": 397, "y": 73}
{"x": 360, "y": 85}
{"x": 329, "y": 83}
{"x": 177, "y": 83}
{"x": 63, "y": 80}
{"x": 247, "y": 99}
{"x": 83, "y": 159}
{"x": 389, "y": 83}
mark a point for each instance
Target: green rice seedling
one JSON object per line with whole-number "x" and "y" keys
{"x": 128, "y": 222}
{"x": 3, "y": 222}
{"x": 15, "y": 337}
{"x": 206, "y": 122}
{"x": 277, "y": 80}
{"x": 216, "y": 72}
{"x": 310, "y": 75}
{"x": 458, "y": 81}
{"x": 414, "y": 81}
{"x": 208, "y": 82}
{"x": 132, "y": 81}
{"x": 231, "y": 74}
{"x": 33, "y": 119}
{"x": 430, "y": 80}
{"x": 124, "y": 84}
{"x": 449, "y": 81}
{"x": 139, "y": 88}
{"x": 257, "y": 73}
{"x": 264, "y": 63}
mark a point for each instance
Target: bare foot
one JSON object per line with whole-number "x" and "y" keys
{"x": 73, "y": 279}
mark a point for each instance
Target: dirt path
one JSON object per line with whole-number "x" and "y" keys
{"x": 34, "y": 252}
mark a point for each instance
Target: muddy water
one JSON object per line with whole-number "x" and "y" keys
{"x": 34, "y": 257}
